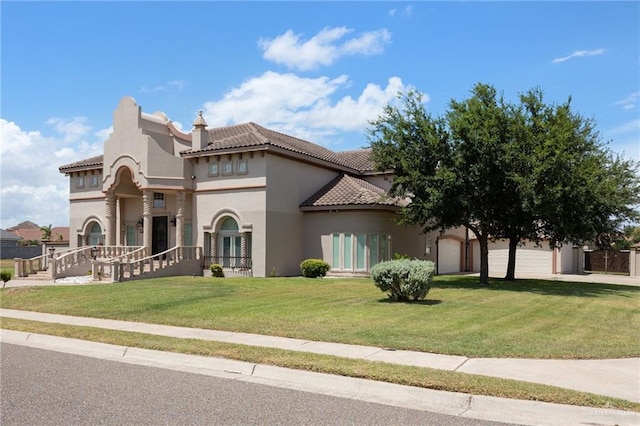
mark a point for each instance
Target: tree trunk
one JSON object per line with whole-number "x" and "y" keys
{"x": 511, "y": 265}
{"x": 484, "y": 260}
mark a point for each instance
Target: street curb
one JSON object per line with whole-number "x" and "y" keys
{"x": 451, "y": 403}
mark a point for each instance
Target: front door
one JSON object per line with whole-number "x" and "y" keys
{"x": 159, "y": 234}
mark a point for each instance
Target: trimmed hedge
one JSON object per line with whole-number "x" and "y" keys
{"x": 216, "y": 270}
{"x": 404, "y": 279}
{"x": 314, "y": 268}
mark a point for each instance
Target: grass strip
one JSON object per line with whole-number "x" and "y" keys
{"x": 373, "y": 370}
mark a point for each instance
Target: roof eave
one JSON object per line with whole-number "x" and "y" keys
{"x": 351, "y": 207}
{"x": 83, "y": 167}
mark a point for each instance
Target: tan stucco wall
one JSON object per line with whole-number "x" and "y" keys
{"x": 142, "y": 143}
{"x": 320, "y": 226}
{"x": 289, "y": 183}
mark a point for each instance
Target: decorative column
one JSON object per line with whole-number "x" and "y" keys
{"x": 243, "y": 249}
{"x": 180, "y": 197}
{"x": 212, "y": 241}
{"x": 147, "y": 199}
{"x": 110, "y": 216}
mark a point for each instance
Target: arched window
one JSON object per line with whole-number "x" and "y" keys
{"x": 229, "y": 224}
{"x": 95, "y": 234}
{"x": 229, "y": 243}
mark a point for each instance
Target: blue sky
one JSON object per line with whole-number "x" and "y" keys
{"x": 316, "y": 70}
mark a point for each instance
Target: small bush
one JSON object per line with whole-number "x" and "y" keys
{"x": 216, "y": 270}
{"x": 314, "y": 268}
{"x": 404, "y": 279}
{"x": 5, "y": 276}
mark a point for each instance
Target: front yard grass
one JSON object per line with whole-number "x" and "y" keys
{"x": 522, "y": 319}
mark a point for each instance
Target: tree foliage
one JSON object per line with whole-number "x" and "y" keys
{"x": 46, "y": 232}
{"x": 527, "y": 171}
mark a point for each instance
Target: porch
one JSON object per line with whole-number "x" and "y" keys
{"x": 111, "y": 263}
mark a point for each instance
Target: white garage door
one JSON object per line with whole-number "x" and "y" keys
{"x": 449, "y": 251}
{"x": 529, "y": 259}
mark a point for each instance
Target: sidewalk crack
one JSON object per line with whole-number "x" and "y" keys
{"x": 466, "y": 410}
{"x": 461, "y": 364}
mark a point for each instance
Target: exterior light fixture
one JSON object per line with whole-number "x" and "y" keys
{"x": 172, "y": 221}
{"x": 51, "y": 251}
{"x": 94, "y": 252}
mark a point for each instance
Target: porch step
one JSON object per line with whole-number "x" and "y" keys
{"x": 38, "y": 276}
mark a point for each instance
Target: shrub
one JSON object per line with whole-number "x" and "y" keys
{"x": 404, "y": 279}
{"x": 216, "y": 270}
{"x": 314, "y": 268}
{"x": 5, "y": 276}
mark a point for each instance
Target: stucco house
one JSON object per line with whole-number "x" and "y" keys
{"x": 256, "y": 200}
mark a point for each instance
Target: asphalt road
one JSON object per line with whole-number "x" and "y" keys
{"x": 40, "y": 387}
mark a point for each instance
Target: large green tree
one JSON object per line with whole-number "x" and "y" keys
{"x": 451, "y": 167}
{"x": 523, "y": 172}
{"x": 573, "y": 189}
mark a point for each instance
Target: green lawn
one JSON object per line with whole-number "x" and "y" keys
{"x": 526, "y": 318}
{"x": 7, "y": 265}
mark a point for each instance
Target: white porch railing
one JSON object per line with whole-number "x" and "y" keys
{"x": 128, "y": 269}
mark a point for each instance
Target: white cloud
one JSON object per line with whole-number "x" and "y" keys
{"x": 625, "y": 138}
{"x": 302, "y": 107}
{"x": 32, "y": 187}
{"x": 322, "y": 49}
{"x": 71, "y": 129}
{"x": 407, "y": 11}
{"x": 179, "y": 84}
{"x": 630, "y": 126}
{"x": 630, "y": 101}
{"x": 579, "y": 53}
{"x": 103, "y": 134}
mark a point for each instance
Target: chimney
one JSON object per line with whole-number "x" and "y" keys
{"x": 199, "y": 135}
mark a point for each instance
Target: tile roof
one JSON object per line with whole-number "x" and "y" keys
{"x": 347, "y": 190}
{"x": 9, "y": 236}
{"x": 360, "y": 159}
{"x": 88, "y": 162}
{"x": 58, "y": 233}
{"x": 252, "y": 135}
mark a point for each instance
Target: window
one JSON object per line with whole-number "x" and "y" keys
{"x": 188, "y": 234}
{"x": 158, "y": 200}
{"x": 358, "y": 251}
{"x": 336, "y": 251}
{"x": 241, "y": 167}
{"x": 347, "y": 252}
{"x": 131, "y": 235}
{"x": 94, "y": 180}
{"x": 214, "y": 169}
{"x": 378, "y": 248}
{"x": 95, "y": 235}
{"x": 227, "y": 168}
{"x": 80, "y": 182}
{"x": 360, "y": 247}
{"x": 230, "y": 245}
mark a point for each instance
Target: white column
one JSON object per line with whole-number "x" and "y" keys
{"x": 110, "y": 216}
{"x": 147, "y": 199}
{"x": 180, "y": 197}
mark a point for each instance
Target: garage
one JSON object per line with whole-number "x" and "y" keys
{"x": 449, "y": 255}
{"x": 529, "y": 259}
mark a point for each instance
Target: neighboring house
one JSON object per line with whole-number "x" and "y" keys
{"x": 30, "y": 231}
{"x": 8, "y": 239}
{"x": 255, "y": 197}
